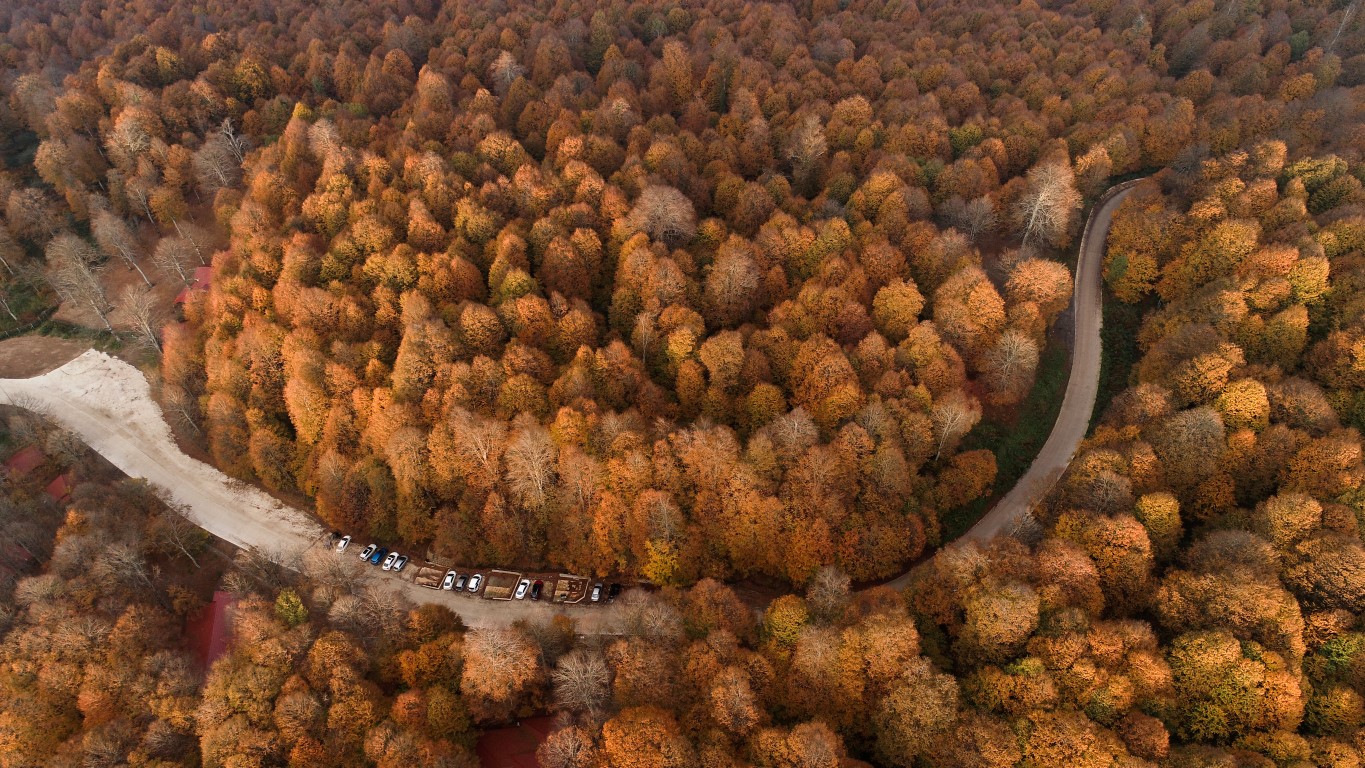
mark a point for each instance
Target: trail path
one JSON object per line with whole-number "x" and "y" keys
{"x": 109, "y": 404}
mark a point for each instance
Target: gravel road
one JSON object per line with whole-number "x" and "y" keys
{"x": 109, "y": 404}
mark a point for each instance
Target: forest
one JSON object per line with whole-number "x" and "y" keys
{"x": 697, "y": 293}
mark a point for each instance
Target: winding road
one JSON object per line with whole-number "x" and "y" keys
{"x": 109, "y": 404}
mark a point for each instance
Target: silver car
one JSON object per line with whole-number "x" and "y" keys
{"x": 400, "y": 563}
{"x": 345, "y": 542}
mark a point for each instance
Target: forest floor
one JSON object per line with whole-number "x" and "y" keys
{"x": 25, "y": 356}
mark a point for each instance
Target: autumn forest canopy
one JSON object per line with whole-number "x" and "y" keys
{"x": 695, "y": 293}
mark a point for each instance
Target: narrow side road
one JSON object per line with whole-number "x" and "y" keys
{"x": 109, "y": 404}
{"x": 1073, "y": 420}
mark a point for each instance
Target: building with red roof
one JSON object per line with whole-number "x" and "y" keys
{"x": 60, "y": 487}
{"x": 202, "y": 277}
{"x": 515, "y": 746}
{"x": 25, "y": 460}
{"x": 211, "y": 629}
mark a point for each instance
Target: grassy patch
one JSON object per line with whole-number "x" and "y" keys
{"x": 101, "y": 340}
{"x": 26, "y": 303}
{"x": 1015, "y": 443}
{"x": 1119, "y": 349}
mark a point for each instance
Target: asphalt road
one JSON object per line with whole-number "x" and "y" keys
{"x": 109, "y": 404}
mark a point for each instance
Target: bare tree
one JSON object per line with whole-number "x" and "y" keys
{"x": 1009, "y": 366}
{"x": 1346, "y": 17}
{"x": 1045, "y": 211}
{"x": 953, "y": 416}
{"x": 175, "y": 256}
{"x": 115, "y": 238}
{"x": 530, "y": 465}
{"x": 216, "y": 165}
{"x": 805, "y": 150}
{"x": 11, "y": 254}
{"x": 665, "y": 214}
{"x": 974, "y": 219}
{"x": 122, "y": 563}
{"x": 581, "y": 681}
{"x": 140, "y": 304}
{"x": 181, "y": 405}
{"x": 570, "y": 747}
{"x": 827, "y": 594}
{"x": 504, "y": 71}
{"x": 647, "y": 615}
{"x": 173, "y": 532}
{"x": 72, "y": 274}
{"x": 235, "y": 143}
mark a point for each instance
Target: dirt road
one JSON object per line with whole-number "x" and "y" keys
{"x": 109, "y": 404}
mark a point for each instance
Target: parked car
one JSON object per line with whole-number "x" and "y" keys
{"x": 475, "y": 582}
{"x": 596, "y": 593}
{"x": 449, "y": 582}
{"x": 613, "y": 592}
{"x": 390, "y": 560}
{"x": 378, "y": 556}
{"x": 365, "y": 555}
{"x": 400, "y": 563}
{"x": 536, "y": 589}
{"x": 459, "y": 583}
{"x": 343, "y": 543}
{"x": 522, "y": 586}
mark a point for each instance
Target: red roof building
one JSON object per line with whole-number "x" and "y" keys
{"x": 514, "y": 747}
{"x": 25, "y": 460}
{"x": 60, "y": 488}
{"x": 202, "y": 277}
{"x": 211, "y": 630}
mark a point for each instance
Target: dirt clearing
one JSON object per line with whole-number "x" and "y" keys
{"x": 25, "y": 356}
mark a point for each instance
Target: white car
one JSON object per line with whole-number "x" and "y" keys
{"x": 475, "y": 582}
{"x": 390, "y": 560}
{"x": 345, "y": 542}
{"x": 522, "y": 586}
{"x": 365, "y": 554}
{"x": 596, "y": 593}
{"x": 449, "y": 582}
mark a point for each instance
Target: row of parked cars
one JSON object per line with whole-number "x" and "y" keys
{"x": 461, "y": 582}
{"x": 374, "y": 554}
{"x": 466, "y": 582}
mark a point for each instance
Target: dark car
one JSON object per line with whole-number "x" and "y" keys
{"x": 536, "y": 589}
{"x": 613, "y": 592}
{"x": 378, "y": 556}
{"x": 460, "y": 582}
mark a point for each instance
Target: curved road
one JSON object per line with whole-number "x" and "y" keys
{"x": 109, "y": 404}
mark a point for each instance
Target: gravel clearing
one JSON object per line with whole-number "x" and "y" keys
{"x": 109, "y": 404}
